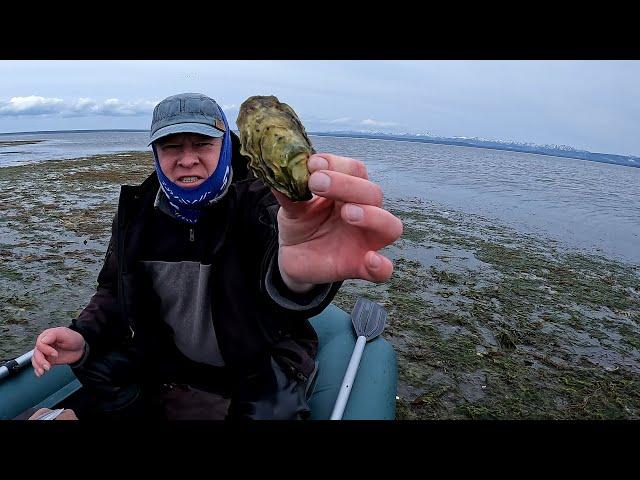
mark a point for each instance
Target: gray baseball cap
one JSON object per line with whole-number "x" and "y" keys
{"x": 187, "y": 113}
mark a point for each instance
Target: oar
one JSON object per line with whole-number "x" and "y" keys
{"x": 368, "y": 320}
{"x": 13, "y": 366}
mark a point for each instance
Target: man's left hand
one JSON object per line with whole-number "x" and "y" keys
{"x": 335, "y": 235}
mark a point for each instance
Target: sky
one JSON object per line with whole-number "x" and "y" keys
{"x": 590, "y": 105}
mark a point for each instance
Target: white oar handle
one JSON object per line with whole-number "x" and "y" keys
{"x": 349, "y": 377}
{"x": 16, "y": 364}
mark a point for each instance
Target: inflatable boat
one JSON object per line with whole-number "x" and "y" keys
{"x": 372, "y": 395}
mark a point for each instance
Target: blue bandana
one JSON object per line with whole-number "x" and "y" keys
{"x": 187, "y": 203}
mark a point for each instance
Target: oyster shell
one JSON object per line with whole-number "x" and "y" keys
{"x": 274, "y": 139}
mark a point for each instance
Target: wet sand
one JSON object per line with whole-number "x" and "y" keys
{"x": 486, "y": 322}
{"x": 55, "y": 223}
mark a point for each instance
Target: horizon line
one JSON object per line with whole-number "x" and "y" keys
{"x": 343, "y": 132}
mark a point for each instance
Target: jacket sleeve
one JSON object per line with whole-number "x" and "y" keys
{"x": 101, "y": 322}
{"x": 263, "y": 210}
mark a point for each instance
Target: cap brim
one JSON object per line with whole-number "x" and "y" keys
{"x": 200, "y": 128}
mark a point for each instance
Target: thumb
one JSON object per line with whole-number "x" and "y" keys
{"x": 291, "y": 209}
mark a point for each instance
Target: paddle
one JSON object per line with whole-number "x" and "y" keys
{"x": 368, "y": 319}
{"x": 13, "y": 366}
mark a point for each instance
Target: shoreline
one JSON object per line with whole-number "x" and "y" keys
{"x": 618, "y": 248}
{"x": 598, "y": 157}
{"x": 486, "y": 322}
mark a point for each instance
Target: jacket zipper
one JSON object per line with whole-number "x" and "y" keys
{"x": 192, "y": 235}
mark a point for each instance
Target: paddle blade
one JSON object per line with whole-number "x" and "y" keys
{"x": 368, "y": 318}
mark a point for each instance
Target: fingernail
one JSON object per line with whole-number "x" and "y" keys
{"x": 375, "y": 261}
{"x": 319, "y": 182}
{"x": 354, "y": 212}
{"x": 318, "y": 163}
{"x": 46, "y": 366}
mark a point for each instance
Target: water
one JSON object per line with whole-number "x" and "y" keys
{"x": 62, "y": 145}
{"x": 582, "y": 204}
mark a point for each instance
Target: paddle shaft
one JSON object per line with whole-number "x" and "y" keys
{"x": 349, "y": 377}
{"x": 16, "y": 364}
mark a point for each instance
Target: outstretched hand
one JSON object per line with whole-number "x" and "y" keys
{"x": 335, "y": 235}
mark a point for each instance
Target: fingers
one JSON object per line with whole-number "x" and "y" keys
{"x": 346, "y": 165}
{"x": 384, "y": 229}
{"x": 376, "y": 268}
{"x": 36, "y": 367}
{"x": 349, "y": 174}
{"x": 342, "y": 178}
{"x": 44, "y": 355}
{"x": 40, "y": 364}
{"x": 384, "y": 226}
{"x": 43, "y": 343}
{"x": 345, "y": 188}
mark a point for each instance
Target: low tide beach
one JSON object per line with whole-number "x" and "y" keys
{"x": 487, "y": 321}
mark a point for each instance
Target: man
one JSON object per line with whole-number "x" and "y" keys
{"x": 203, "y": 300}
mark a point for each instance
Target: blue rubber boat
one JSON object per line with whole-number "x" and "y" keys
{"x": 372, "y": 397}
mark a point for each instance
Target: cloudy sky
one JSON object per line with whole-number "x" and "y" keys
{"x": 592, "y": 105}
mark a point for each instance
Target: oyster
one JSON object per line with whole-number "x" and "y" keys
{"x": 274, "y": 139}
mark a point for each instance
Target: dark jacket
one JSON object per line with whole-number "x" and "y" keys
{"x": 255, "y": 315}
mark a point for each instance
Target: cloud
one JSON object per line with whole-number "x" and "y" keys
{"x": 377, "y": 123}
{"x": 229, "y": 107}
{"x": 32, "y": 105}
{"x": 340, "y": 120}
{"x": 80, "y": 107}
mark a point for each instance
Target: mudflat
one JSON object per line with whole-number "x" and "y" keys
{"x": 486, "y": 322}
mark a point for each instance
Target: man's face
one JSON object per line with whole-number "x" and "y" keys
{"x": 188, "y": 159}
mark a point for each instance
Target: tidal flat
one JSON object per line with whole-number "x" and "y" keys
{"x": 55, "y": 224}
{"x": 487, "y": 323}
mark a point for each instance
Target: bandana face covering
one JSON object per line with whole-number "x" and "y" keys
{"x": 187, "y": 203}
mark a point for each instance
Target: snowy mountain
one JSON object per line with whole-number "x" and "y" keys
{"x": 478, "y": 142}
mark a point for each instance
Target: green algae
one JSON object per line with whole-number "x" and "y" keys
{"x": 486, "y": 323}
{"x": 552, "y": 332}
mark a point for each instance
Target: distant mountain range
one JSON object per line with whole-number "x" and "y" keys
{"x": 553, "y": 150}
{"x": 477, "y": 142}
